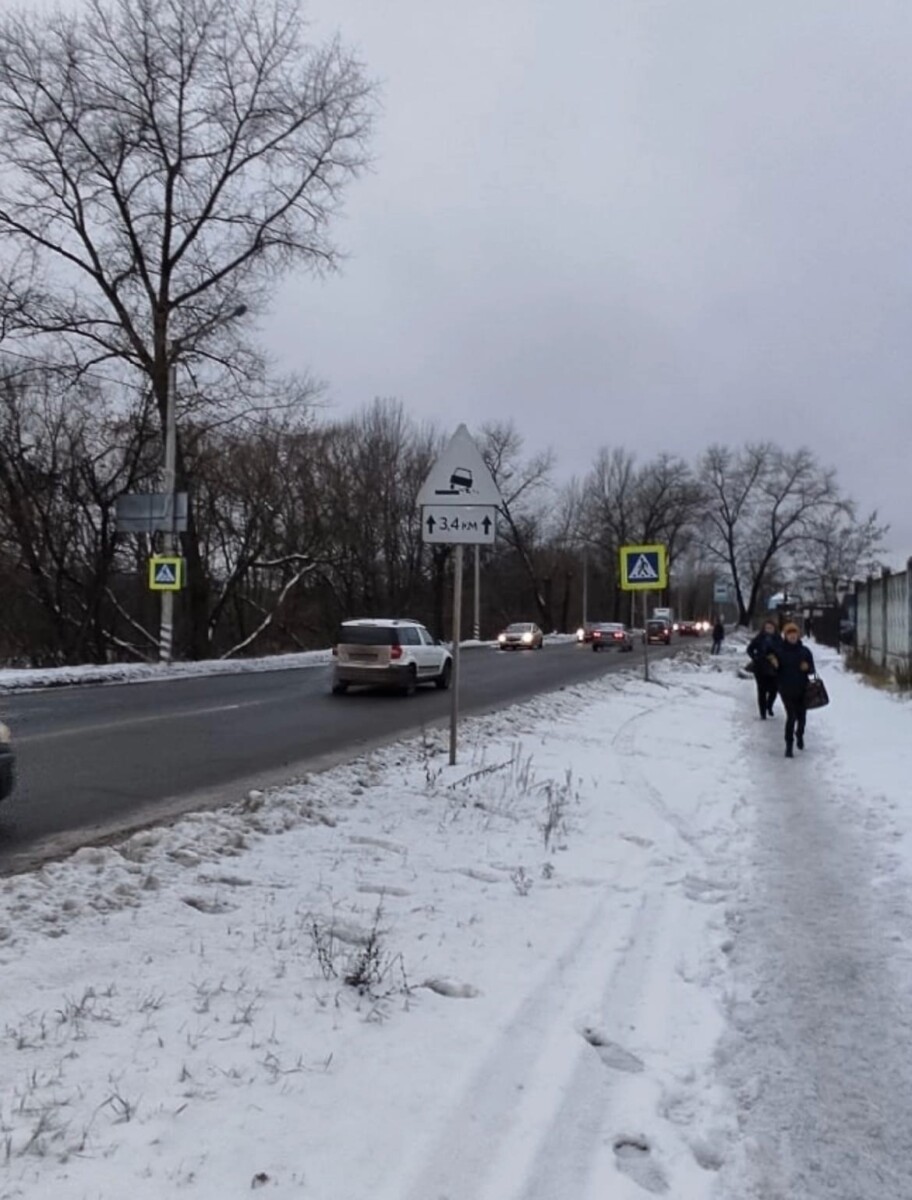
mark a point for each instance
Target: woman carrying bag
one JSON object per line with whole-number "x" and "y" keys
{"x": 794, "y": 666}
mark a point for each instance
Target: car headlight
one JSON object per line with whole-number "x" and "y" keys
{"x": 580, "y": 635}
{"x": 501, "y": 637}
{"x": 5, "y": 736}
{"x": 527, "y": 638}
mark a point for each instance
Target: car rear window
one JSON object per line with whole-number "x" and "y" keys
{"x": 367, "y": 635}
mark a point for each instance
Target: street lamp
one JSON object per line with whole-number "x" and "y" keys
{"x": 169, "y": 483}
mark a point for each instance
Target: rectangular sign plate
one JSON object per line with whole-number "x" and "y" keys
{"x": 446, "y": 524}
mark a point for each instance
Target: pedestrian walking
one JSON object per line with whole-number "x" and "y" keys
{"x": 759, "y": 651}
{"x": 794, "y": 665}
{"x": 718, "y": 635}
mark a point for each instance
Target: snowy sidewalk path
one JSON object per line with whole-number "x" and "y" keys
{"x": 819, "y": 1055}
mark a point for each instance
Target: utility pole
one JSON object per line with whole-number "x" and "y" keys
{"x": 169, "y": 483}
{"x": 585, "y": 585}
{"x": 166, "y": 632}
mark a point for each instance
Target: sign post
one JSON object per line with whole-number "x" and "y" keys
{"x": 457, "y": 653}
{"x": 644, "y": 569}
{"x": 459, "y": 502}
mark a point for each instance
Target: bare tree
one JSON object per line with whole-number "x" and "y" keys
{"x": 164, "y": 160}
{"x": 840, "y": 547}
{"x": 626, "y": 504}
{"x": 62, "y": 462}
{"x": 522, "y": 484}
{"x": 761, "y": 504}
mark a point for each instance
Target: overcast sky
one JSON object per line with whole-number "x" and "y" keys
{"x": 646, "y": 222}
{"x": 653, "y": 223}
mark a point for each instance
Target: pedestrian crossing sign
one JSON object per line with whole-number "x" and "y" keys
{"x": 644, "y": 568}
{"x": 166, "y": 573}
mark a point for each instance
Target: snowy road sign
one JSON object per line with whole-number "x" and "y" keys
{"x": 467, "y": 525}
{"x": 721, "y": 592}
{"x": 643, "y": 568}
{"x": 166, "y": 573}
{"x": 460, "y": 475}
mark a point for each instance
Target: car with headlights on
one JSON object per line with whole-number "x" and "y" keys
{"x": 612, "y": 635}
{"x": 521, "y": 635}
{"x": 7, "y": 762}
{"x": 689, "y": 628}
{"x": 389, "y": 653}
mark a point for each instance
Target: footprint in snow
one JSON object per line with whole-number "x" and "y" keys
{"x": 707, "y": 890}
{"x": 611, "y": 1054}
{"x": 380, "y": 843}
{"x": 633, "y": 1156}
{"x": 383, "y": 889}
{"x": 452, "y": 988}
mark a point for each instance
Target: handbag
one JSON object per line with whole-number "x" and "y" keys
{"x": 816, "y": 695}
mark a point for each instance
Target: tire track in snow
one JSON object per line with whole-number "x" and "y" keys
{"x": 476, "y": 1130}
{"x": 545, "y": 1115}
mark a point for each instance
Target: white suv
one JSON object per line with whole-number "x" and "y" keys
{"x": 386, "y": 653}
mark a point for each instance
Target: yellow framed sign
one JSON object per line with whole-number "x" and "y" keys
{"x": 166, "y": 573}
{"x": 644, "y": 568}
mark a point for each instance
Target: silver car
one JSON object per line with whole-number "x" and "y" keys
{"x": 388, "y": 653}
{"x": 7, "y": 762}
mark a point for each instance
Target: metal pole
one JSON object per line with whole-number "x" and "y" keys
{"x": 476, "y": 627}
{"x": 585, "y": 585}
{"x": 645, "y": 640}
{"x": 457, "y": 637}
{"x": 166, "y": 632}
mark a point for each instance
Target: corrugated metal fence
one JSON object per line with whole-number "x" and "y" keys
{"x": 883, "y": 618}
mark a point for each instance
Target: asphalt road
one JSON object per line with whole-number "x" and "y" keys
{"x": 97, "y": 760}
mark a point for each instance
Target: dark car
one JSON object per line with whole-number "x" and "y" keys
{"x": 611, "y": 635}
{"x": 657, "y": 631}
{"x": 7, "y": 763}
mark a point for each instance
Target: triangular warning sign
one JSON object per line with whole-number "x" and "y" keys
{"x": 643, "y": 570}
{"x": 164, "y": 573}
{"x": 460, "y": 476}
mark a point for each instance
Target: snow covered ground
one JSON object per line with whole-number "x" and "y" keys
{"x": 623, "y": 949}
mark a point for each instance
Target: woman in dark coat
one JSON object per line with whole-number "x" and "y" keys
{"x": 766, "y": 642}
{"x": 794, "y": 665}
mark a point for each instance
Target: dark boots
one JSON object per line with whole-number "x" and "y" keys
{"x": 789, "y": 752}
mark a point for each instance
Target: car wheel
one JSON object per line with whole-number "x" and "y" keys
{"x": 595, "y": 648}
{"x": 408, "y": 688}
{"x": 339, "y": 689}
{"x": 442, "y": 682}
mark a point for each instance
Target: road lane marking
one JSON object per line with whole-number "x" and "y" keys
{"x": 78, "y": 730}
